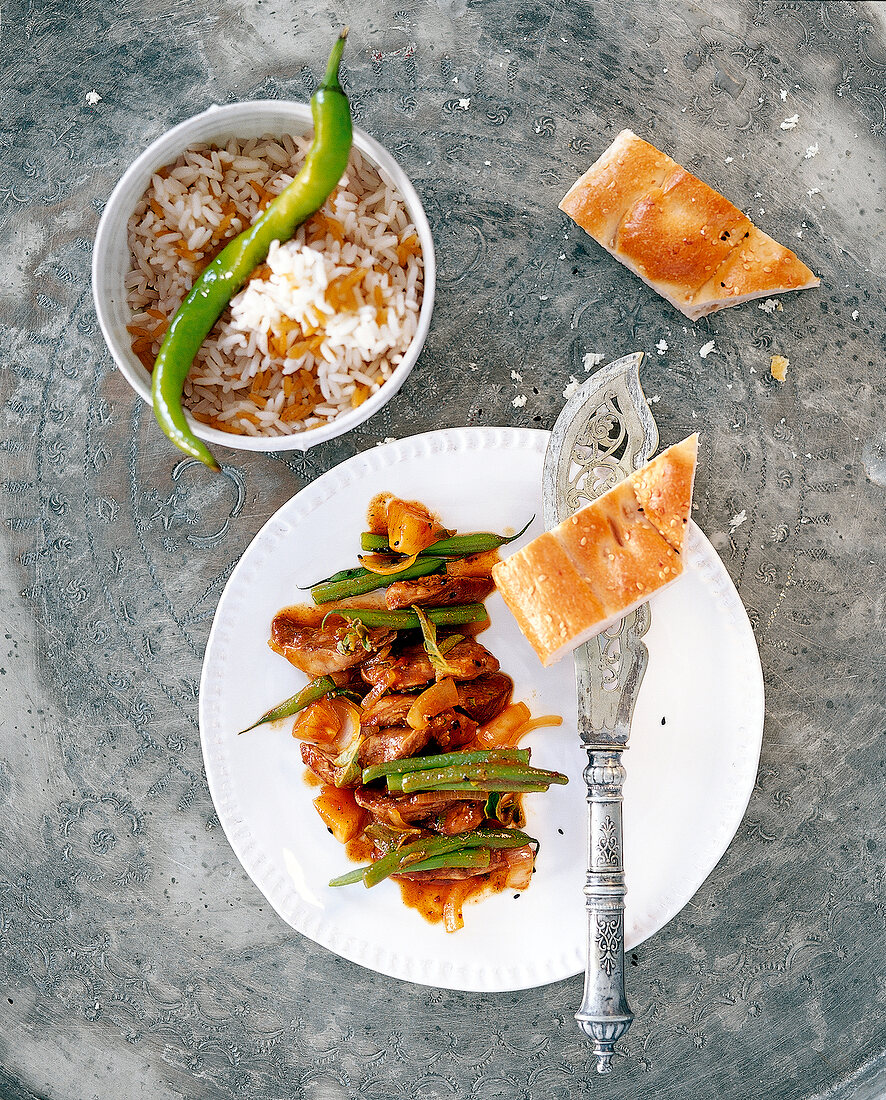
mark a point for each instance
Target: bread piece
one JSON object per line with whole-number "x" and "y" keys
{"x": 664, "y": 490}
{"x": 684, "y": 239}
{"x": 578, "y": 579}
{"x": 555, "y": 604}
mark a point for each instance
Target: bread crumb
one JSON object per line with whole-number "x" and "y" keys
{"x": 855, "y": 315}
{"x": 771, "y": 305}
{"x": 661, "y": 347}
{"x": 706, "y": 349}
{"x": 790, "y": 123}
{"x": 571, "y": 387}
{"x": 92, "y": 98}
{"x": 784, "y": 95}
{"x": 778, "y": 367}
{"x": 738, "y": 520}
{"x": 592, "y": 359}
{"x": 811, "y": 151}
{"x": 464, "y": 104}
{"x": 519, "y": 401}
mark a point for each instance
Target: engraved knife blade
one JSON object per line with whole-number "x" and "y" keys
{"x": 604, "y": 432}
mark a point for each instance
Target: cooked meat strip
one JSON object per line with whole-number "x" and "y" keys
{"x": 438, "y": 591}
{"x": 315, "y": 650}
{"x": 410, "y": 808}
{"x": 469, "y": 659}
{"x": 392, "y": 744}
{"x": 319, "y": 763}
{"x": 485, "y": 696}
{"x": 461, "y": 818}
{"x": 451, "y": 730}
{"x": 412, "y": 667}
{"x": 390, "y": 710}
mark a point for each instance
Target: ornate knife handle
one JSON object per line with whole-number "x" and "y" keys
{"x": 604, "y": 1015}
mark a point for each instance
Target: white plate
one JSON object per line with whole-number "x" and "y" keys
{"x": 689, "y": 780}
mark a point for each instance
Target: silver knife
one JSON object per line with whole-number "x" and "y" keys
{"x": 604, "y": 433}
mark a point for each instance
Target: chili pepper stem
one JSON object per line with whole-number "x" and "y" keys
{"x": 330, "y": 80}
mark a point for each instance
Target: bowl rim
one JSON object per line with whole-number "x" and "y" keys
{"x": 119, "y": 208}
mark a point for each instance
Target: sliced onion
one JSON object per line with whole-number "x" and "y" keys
{"x": 520, "y": 862}
{"x": 542, "y": 720}
{"x": 382, "y": 565}
{"x": 349, "y": 715}
{"x": 319, "y": 723}
{"x": 438, "y": 697}
{"x": 505, "y": 729}
{"x": 458, "y": 895}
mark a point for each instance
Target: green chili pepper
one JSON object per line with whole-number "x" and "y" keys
{"x": 357, "y": 584}
{"x": 459, "y": 546}
{"x": 226, "y": 274}
{"x": 313, "y": 691}
{"x": 408, "y": 620}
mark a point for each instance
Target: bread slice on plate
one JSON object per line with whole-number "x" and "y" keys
{"x": 682, "y": 237}
{"x": 578, "y": 579}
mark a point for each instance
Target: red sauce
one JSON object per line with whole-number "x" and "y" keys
{"x": 359, "y": 849}
{"x": 430, "y": 898}
{"x": 377, "y": 514}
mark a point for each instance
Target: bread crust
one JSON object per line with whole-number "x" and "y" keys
{"x": 682, "y": 237}
{"x": 622, "y": 175}
{"x": 620, "y": 555}
{"x": 663, "y": 489}
{"x": 574, "y": 581}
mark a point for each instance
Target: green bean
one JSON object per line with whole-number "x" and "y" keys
{"x": 478, "y": 858}
{"x": 408, "y": 620}
{"x": 313, "y": 691}
{"x": 225, "y": 275}
{"x": 341, "y": 575}
{"x": 458, "y": 546}
{"x": 364, "y": 581}
{"x": 469, "y": 857}
{"x": 405, "y": 858}
{"x": 443, "y": 760}
{"x": 350, "y": 878}
{"x": 478, "y": 774}
{"x": 487, "y": 786}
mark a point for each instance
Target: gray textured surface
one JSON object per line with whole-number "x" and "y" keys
{"x": 136, "y": 958}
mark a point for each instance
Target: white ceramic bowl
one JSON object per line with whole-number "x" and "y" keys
{"x": 111, "y": 257}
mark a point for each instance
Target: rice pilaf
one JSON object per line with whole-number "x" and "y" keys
{"x": 318, "y": 328}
